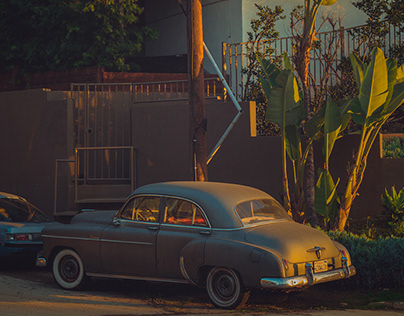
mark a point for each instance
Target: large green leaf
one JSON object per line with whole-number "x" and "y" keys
{"x": 286, "y": 62}
{"x": 358, "y": 70}
{"x": 397, "y": 97}
{"x": 293, "y": 142}
{"x": 314, "y": 126}
{"x": 345, "y": 113}
{"x": 380, "y": 113}
{"x": 284, "y": 103}
{"x": 356, "y": 112}
{"x": 332, "y": 127}
{"x": 325, "y": 193}
{"x": 374, "y": 89}
{"x": 269, "y": 73}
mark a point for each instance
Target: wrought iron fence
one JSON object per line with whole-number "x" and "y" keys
{"x": 333, "y": 45}
{"x": 173, "y": 90}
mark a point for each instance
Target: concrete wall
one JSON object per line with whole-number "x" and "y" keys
{"x": 162, "y": 138}
{"x": 36, "y": 129}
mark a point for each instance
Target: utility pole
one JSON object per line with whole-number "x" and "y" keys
{"x": 196, "y": 90}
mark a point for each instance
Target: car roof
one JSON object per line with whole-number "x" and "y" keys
{"x": 213, "y": 197}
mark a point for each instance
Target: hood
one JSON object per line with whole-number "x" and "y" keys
{"x": 291, "y": 241}
{"x": 94, "y": 217}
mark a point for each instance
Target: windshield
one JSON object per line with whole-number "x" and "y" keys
{"x": 20, "y": 211}
{"x": 255, "y": 211}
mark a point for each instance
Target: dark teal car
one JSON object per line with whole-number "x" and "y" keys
{"x": 21, "y": 224}
{"x": 225, "y": 237}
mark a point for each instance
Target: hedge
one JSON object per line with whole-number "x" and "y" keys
{"x": 379, "y": 263}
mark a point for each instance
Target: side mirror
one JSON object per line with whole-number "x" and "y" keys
{"x": 116, "y": 222}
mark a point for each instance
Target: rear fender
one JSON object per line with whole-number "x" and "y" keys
{"x": 193, "y": 257}
{"x": 341, "y": 248}
{"x": 250, "y": 261}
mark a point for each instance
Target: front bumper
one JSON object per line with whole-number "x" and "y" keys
{"x": 308, "y": 279}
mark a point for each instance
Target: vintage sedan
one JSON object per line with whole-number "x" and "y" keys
{"x": 229, "y": 238}
{"x": 21, "y": 224}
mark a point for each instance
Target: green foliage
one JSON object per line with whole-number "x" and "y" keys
{"x": 44, "y": 35}
{"x": 380, "y": 92}
{"x": 285, "y": 108}
{"x": 379, "y": 263}
{"x": 394, "y": 207}
{"x": 381, "y": 14}
{"x": 393, "y": 147}
{"x": 262, "y": 33}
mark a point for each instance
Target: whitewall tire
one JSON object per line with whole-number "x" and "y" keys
{"x": 225, "y": 289}
{"x": 68, "y": 270}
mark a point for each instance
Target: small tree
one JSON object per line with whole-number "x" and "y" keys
{"x": 262, "y": 34}
{"x": 301, "y": 60}
{"x": 381, "y": 92}
{"x": 56, "y": 35}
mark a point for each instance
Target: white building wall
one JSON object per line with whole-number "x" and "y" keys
{"x": 225, "y": 21}
{"x": 350, "y": 15}
{"x": 221, "y": 23}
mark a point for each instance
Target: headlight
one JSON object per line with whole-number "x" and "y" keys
{"x": 19, "y": 237}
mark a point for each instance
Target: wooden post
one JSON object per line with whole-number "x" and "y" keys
{"x": 196, "y": 90}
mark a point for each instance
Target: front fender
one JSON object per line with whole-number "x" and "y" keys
{"x": 250, "y": 261}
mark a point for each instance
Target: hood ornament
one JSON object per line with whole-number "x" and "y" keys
{"x": 317, "y": 250}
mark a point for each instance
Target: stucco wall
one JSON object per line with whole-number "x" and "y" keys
{"x": 34, "y": 131}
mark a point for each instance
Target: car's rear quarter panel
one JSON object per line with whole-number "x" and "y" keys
{"x": 250, "y": 261}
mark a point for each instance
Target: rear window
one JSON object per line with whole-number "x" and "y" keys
{"x": 12, "y": 210}
{"x": 261, "y": 210}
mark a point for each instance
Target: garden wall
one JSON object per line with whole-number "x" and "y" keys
{"x": 36, "y": 128}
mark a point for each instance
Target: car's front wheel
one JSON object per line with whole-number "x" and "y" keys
{"x": 225, "y": 289}
{"x": 68, "y": 270}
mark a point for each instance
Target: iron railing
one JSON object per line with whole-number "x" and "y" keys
{"x": 173, "y": 90}
{"x": 333, "y": 45}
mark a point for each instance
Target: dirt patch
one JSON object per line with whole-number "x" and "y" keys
{"x": 180, "y": 299}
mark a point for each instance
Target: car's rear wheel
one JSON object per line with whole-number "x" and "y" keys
{"x": 225, "y": 289}
{"x": 68, "y": 270}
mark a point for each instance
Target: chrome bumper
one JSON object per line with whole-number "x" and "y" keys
{"x": 308, "y": 279}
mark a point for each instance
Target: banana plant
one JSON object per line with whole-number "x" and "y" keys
{"x": 285, "y": 108}
{"x": 326, "y": 194}
{"x": 380, "y": 93}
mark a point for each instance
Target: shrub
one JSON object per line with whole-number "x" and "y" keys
{"x": 379, "y": 263}
{"x": 394, "y": 207}
{"x": 393, "y": 147}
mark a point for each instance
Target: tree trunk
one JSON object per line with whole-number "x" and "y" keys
{"x": 196, "y": 90}
{"x": 302, "y": 61}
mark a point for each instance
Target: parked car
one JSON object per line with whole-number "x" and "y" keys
{"x": 226, "y": 237}
{"x": 21, "y": 224}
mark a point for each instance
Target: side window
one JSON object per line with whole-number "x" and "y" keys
{"x": 182, "y": 212}
{"x": 142, "y": 209}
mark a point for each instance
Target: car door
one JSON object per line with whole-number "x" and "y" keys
{"x": 128, "y": 245}
{"x": 182, "y": 222}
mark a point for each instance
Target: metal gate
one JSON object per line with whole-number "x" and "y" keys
{"x": 102, "y": 114}
{"x": 104, "y": 156}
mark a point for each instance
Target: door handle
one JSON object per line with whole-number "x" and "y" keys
{"x": 205, "y": 232}
{"x": 153, "y": 227}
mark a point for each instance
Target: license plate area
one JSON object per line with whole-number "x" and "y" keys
{"x": 320, "y": 266}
